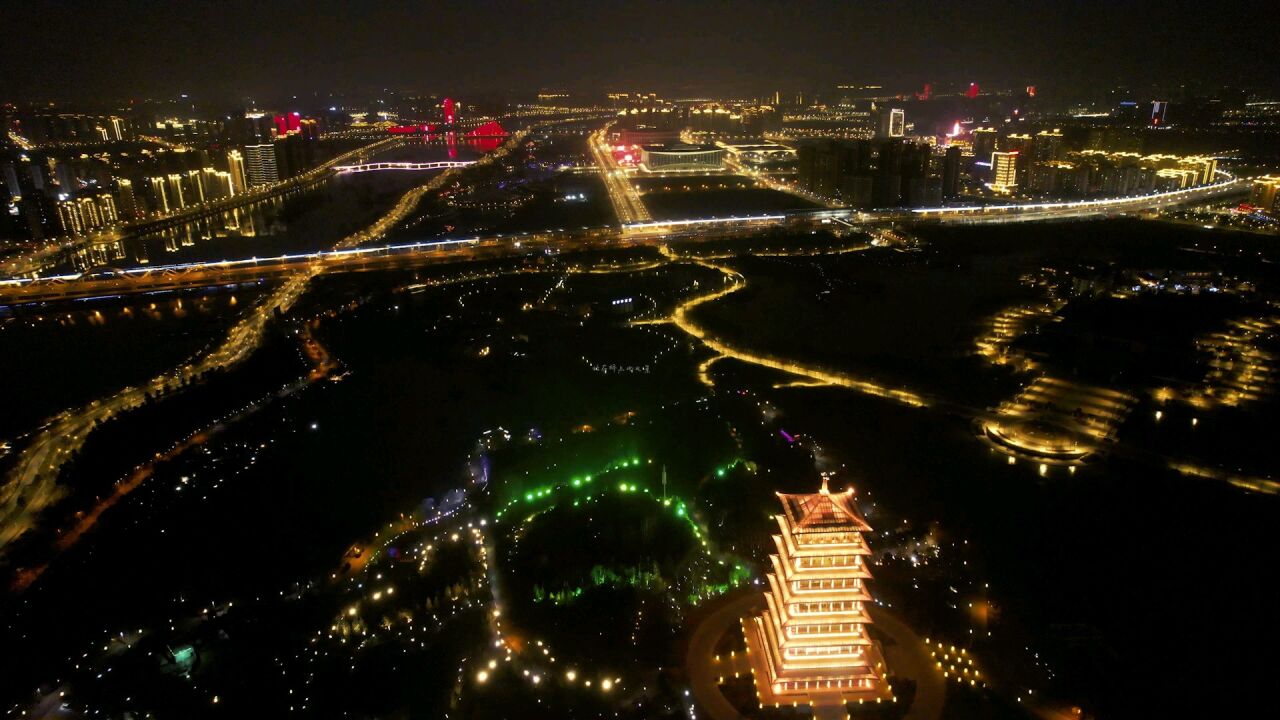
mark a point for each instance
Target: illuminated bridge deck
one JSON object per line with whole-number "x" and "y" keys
{"x": 379, "y": 166}
{"x": 19, "y": 291}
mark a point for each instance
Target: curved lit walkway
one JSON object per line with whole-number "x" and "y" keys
{"x": 905, "y": 653}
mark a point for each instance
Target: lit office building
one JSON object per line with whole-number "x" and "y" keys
{"x": 893, "y": 123}
{"x": 260, "y": 165}
{"x": 811, "y": 644}
{"x": 1004, "y": 171}
{"x": 681, "y": 156}
{"x": 117, "y": 127}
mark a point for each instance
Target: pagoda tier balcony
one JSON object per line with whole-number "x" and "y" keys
{"x": 796, "y": 547}
{"x": 818, "y": 560}
{"x": 786, "y": 617}
{"x": 820, "y": 630}
{"x": 855, "y": 666}
{"x": 852, "y": 589}
{"x": 789, "y": 575}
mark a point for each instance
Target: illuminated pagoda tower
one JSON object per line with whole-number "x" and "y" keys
{"x": 811, "y": 644}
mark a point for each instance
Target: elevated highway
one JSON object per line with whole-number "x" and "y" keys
{"x": 160, "y": 278}
{"x": 38, "y": 258}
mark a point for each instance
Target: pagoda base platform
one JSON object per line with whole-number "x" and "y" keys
{"x": 826, "y": 703}
{"x": 733, "y": 613}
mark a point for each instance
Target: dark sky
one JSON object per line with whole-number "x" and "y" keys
{"x": 112, "y": 48}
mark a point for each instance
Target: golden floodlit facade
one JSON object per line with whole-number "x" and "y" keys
{"x": 810, "y": 645}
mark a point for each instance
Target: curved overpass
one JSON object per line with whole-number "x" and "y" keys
{"x": 202, "y": 274}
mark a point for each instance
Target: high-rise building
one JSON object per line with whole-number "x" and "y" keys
{"x": 1023, "y": 145}
{"x": 31, "y": 210}
{"x": 178, "y": 197}
{"x": 287, "y": 123}
{"x": 160, "y": 195}
{"x": 195, "y": 185}
{"x": 70, "y": 218}
{"x": 128, "y": 200}
{"x": 117, "y": 127}
{"x": 212, "y": 186}
{"x": 835, "y": 169}
{"x": 235, "y": 164}
{"x": 227, "y": 187}
{"x": 811, "y": 645}
{"x": 89, "y": 210}
{"x": 890, "y": 155}
{"x": 217, "y": 184}
{"x": 1048, "y": 145}
{"x": 11, "y": 183}
{"x": 984, "y": 142}
{"x": 1004, "y": 171}
{"x": 106, "y": 208}
{"x": 1265, "y": 194}
{"x": 893, "y": 123}
{"x": 290, "y": 152}
{"x": 951, "y": 172}
{"x": 82, "y": 215}
{"x": 1159, "y": 112}
{"x": 260, "y": 165}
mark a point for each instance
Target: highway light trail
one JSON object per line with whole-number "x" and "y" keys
{"x": 32, "y": 484}
{"x": 39, "y": 258}
{"x": 626, "y": 201}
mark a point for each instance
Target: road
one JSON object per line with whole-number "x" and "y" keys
{"x": 32, "y": 484}
{"x": 41, "y": 257}
{"x": 627, "y": 204}
{"x": 356, "y": 254}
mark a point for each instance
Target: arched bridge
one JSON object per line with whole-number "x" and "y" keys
{"x": 375, "y": 166}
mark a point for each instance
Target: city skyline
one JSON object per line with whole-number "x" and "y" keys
{"x": 138, "y": 50}
{"x": 636, "y": 361}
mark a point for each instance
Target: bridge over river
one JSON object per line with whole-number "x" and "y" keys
{"x": 146, "y": 279}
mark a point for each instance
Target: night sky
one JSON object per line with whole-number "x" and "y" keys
{"x": 115, "y": 49}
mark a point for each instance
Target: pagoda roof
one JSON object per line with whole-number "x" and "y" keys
{"x": 823, "y": 511}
